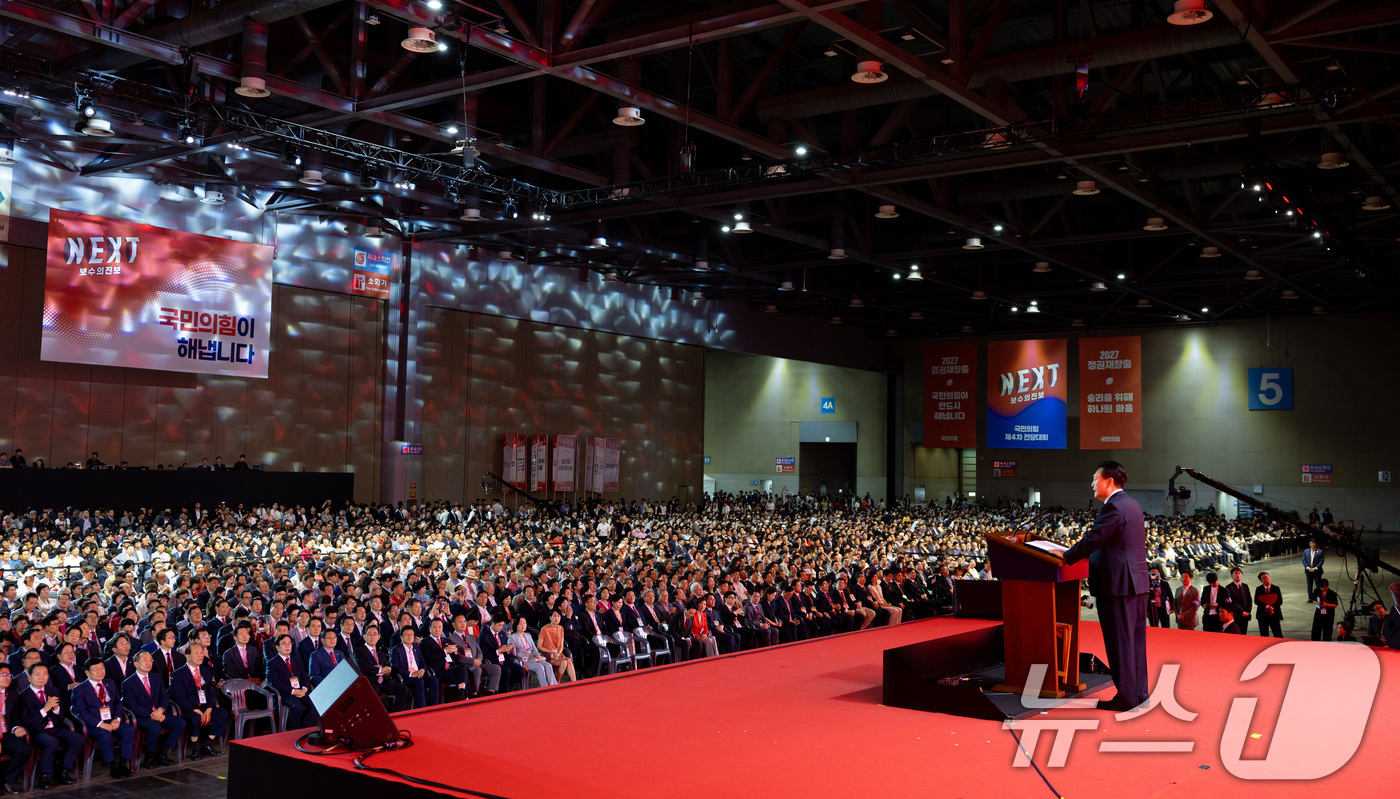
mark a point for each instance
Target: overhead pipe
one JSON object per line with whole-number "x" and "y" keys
{"x": 253, "y": 69}
{"x": 219, "y": 22}
{"x": 1123, "y": 48}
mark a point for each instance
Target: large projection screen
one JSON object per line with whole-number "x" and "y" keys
{"x": 125, "y": 294}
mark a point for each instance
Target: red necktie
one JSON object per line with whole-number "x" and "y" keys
{"x": 169, "y": 665}
{"x": 101, "y": 694}
{"x": 42, "y": 700}
{"x": 332, "y": 657}
{"x": 198, "y": 678}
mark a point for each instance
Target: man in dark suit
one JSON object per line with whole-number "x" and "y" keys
{"x": 287, "y": 676}
{"x": 1313, "y": 558}
{"x": 441, "y": 657}
{"x": 14, "y": 745}
{"x": 325, "y": 658}
{"x": 41, "y": 719}
{"x": 1213, "y": 598}
{"x": 193, "y": 690}
{"x": 119, "y": 662}
{"x": 374, "y": 664}
{"x": 145, "y": 695}
{"x": 412, "y": 670}
{"x": 494, "y": 649}
{"x": 1116, "y": 547}
{"x": 1241, "y": 602}
{"x": 1325, "y": 615}
{"x": 1268, "y": 607}
{"x": 483, "y": 675}
{"x": 167, "y": 660}
{"x": 95, "y": 705}
{"x": 243, "y": 661}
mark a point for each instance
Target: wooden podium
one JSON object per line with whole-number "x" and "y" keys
{"x": 1040, "y": 606}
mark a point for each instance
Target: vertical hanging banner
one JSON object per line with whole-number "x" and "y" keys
{"x": 950, "y": 383}
{"x": 371, "y": 273}
{"x": 612, "y": 464}
{"x": 1026, "y": 394}
{"x": 1110, "y": 391}
{"x": 513, "y": 462}
{"x": 565, "y": 458}
{"x": 539, "y": 464}
{"x": 595, "y": 465}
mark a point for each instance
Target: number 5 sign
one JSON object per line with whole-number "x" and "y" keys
{"x": 1271, "y": 389}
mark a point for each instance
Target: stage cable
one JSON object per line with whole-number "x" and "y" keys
{"x": 1031, "y": 760}
{"x": 404, "y": 741}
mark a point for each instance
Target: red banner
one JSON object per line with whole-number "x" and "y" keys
{"x": 1110, "y": 391}
{"x": 513, "y": 460}
{"x": 950, "y": 386}
{"x": 539, "y": 464}
{"x": 124, "y": 294}
{"x": 565, "y": 461}
{"x": 1027, "y": 387}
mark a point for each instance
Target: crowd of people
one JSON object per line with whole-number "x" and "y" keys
{"x": 124, "y": 626}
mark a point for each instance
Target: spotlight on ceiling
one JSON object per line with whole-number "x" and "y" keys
{"x": 1189, "y": 12}
{"x": 1098, "y": 285}
{"x": 800, "y": 150}
{"x": 887, "y": 212}
{"x": 1375, "y": 204}
{"x": 420, "y": 40}
{"x": 311, "y": 177}
{"x": 836, "y": 254}
{"x": 914, "y": 273}
{"x": 1041, "y": 266}
{"x": 972, "y": 243}
{"x": 100, "y": 128}
{"x": 1333, "y": 161}
{"x": 1210, "y": 252}
{"x": 1155, "y": 223}
{"x": 629, "y": 116}
{"x": 1086, "y": 188}
{"x": 86, "y": 109}
{"x": 870, "y": 72}
{"x": 188, "y": 135}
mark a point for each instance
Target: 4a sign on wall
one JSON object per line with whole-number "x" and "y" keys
{"x": 1271, "y": 389}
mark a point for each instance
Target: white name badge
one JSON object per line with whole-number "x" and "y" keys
{"x": 296, "y": 684}
{"x": 105, "y": 714}
{"x": 500, "y": 657}
{"x": 202, "y": 700}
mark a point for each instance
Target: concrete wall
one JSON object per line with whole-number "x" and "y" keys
{"x": 1195, "y": 414}
{"x": 753, "y": 405}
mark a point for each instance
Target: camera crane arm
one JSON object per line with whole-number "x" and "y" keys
{"x": 1320, "y": 533}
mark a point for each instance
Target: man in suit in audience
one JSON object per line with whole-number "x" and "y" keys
{"x": 326, "y": 657}
{"x": 119, "y": 662}
{"x": 1313, "y": 558}
{"x": 42, "y": 721}
{"x": 485, "y": 676}
{"x": 1268, "y": 606}
{"x": 412, "y": 670}
{"x": 95, "y": 704}
{"x": 1241, "y": 601}
{"x": 1212, "y": 599}
{"x": 495, "y": 649}
{"x": 374, "y": 664}
{"x": 167, "y": 660}
{"x": 287, "y": 676}
{"x": 441, "y": 657}
{"x": 1188, "y": 603}
{"x": 145, "y": 695}
{"x": 194, "y": 691}
{"x": 243, "y": 661}
{"x": 14, "y": 745}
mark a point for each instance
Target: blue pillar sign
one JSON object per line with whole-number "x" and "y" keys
{"x": 828, "y": 405}
{"x": 1271, "y": 389}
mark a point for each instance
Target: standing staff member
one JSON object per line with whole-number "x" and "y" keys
{"x": 1117, "y": 550}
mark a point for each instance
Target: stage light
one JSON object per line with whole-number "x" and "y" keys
{"x": 801, "y": 150}
{"x": 290, "y": 157}
{"x": 434, "y": 5}
{"x": 86, "y": 109}
{"x": 188, "y": 135}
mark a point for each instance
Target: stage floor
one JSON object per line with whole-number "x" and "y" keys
{"x": 806, "y": 721}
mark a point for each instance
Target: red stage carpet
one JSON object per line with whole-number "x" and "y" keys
{"x": 806, "y": 721}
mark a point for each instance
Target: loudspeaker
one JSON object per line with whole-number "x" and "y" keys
{"x": 350, "y": 710}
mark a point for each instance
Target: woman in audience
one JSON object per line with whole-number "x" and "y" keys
{"x": 523, "y": 649}
{"x": 551, "y": 643}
